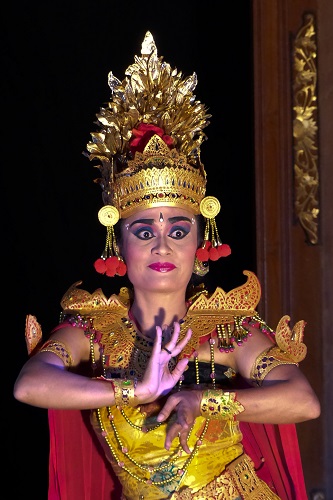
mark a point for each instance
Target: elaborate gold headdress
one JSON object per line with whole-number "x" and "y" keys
{"x": 148, "y": 149}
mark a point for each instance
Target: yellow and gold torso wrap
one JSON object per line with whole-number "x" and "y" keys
{"x": 132, "y": 438}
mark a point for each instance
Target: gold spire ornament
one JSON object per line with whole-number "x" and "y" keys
{"x": 148, "y": 148}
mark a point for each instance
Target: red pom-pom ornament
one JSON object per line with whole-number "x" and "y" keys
{"x": 111, "y": 272}
{"x": 213, "y": 254}
{"x": 122, "y": 268}
{"x": 202, "y": 254}
{"x": 110, "y": 266}
{"x": 208, "y": 252}
{"x": 224, "y": 250}
{"x": 100, "y": 266}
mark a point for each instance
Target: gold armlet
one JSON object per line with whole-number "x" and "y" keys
{"x": 123, "y": 392}
{"x": 267, "y": 360}
{"x": 60, "y": 349}
{"x": 220, "y": 405}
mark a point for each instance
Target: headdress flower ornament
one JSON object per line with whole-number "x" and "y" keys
{"x": 148, "y": 149}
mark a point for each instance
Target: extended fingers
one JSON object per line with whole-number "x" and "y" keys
{"x": 179, "y": 346}
{"x": 173, "y": 347}
{"x": 183, "y": 437}
{"x": 166, "y": 410}
{"x": 157, "y": 341}
{"x": 179, "y": 369}
{"x": 178, "y": 430}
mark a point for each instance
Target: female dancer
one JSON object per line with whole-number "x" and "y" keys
{"x": 186, "y": 389}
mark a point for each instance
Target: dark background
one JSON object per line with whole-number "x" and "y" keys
{"x": 56, "y": 58}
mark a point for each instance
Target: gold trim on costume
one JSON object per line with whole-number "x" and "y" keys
{"x": 266, "y": 361}
{"x": 291, "y": 341}
{"x": 123, "y": 392}
{"x": 239, "y": 480}
{"x": 220, "y": 405}
{"x": 60, "y": 349}
{"x": 289, "y": 350}
{"x": 33, "y": 333}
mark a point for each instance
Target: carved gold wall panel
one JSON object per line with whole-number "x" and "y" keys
{"x": 305, "y": 129}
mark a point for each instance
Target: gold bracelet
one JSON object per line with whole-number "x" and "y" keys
{"x": 220, "y": 405}
{"x": 123, "y": 392}
{"x": 59, "y": 349}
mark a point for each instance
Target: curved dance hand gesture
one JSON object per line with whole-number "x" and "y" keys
{"x": 158, "y": 380}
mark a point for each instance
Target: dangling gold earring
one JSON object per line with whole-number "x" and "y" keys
{"x": 110, "y": 262}
{"x": 212, "y": 247}
{"x": 200, "y": 268}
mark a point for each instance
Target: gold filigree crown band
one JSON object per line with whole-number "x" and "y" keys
{"x": 163, "y": 179}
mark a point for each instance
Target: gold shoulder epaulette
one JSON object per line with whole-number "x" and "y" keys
{"x": 209, "y": 313}
{"x": 76, "y": 300}
{"x": 241, "y": 300}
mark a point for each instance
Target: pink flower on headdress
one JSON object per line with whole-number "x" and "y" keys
{"x": 144, "y": 133}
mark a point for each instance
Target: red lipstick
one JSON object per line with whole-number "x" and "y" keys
{"x": 162, "y": 267}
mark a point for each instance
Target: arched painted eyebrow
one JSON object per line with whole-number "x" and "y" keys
{"x": 178, "y": 219}
{"x": 150, "y": 222}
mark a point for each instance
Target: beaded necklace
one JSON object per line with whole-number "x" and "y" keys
{"x": 143, "y": 467}
{"x": 144, "y": 344}
{"x": 166, "y": 463}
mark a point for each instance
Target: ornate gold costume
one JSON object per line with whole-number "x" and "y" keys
{"x": 60, "y": 350}
{"x": 289, "y": 350}
{"x": 132, "y": 438}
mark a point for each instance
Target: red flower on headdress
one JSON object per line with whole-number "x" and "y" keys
{"x": 142, "y": 135}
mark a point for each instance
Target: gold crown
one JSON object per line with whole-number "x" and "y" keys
{"x": 150, "y": 138}
{"x": 148, "y": 149}
{"x": 162, "y": 178}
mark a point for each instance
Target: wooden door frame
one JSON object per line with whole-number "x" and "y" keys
{"x": 296, "y": 276}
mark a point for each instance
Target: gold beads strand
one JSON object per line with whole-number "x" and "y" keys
{"x": 196, "y": 364}
{"x": 142, "y": 428}
{"x": 258, "y": 322}
{"x": 144, "y": 467}
{"x": 212, "y": 360}
{"x": 149, "y": 469}
{"x": 92, "y": 352}
{"x": 228, "y": 334}
{"x": 224, "y": 342}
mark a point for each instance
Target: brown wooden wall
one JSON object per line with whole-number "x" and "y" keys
{"x": 296, "y": 275}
